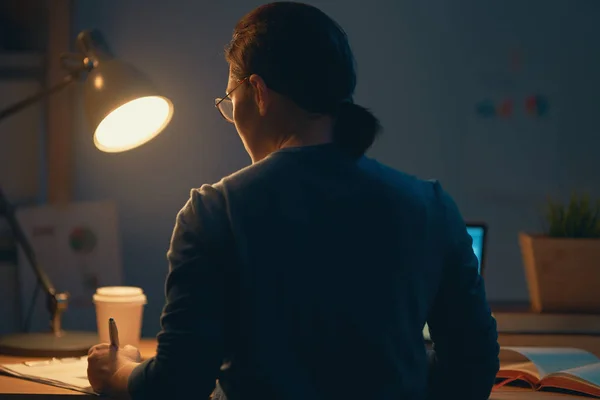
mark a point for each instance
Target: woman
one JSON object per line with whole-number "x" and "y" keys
{"x": 310, "y": 273}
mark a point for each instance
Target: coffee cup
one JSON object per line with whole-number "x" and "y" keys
{"x": 124, "y": 304}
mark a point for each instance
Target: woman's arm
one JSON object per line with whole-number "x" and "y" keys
{"x": 191, "y": 342}
{"x": 461, "y": 324}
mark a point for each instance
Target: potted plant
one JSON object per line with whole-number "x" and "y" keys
{"x": 562, "y": 266}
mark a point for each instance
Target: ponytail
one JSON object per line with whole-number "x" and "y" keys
{"x": 355, "y": 129}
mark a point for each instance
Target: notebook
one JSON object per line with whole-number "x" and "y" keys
{"x": 551, "y": 368}
{"x": 68, "y": 373}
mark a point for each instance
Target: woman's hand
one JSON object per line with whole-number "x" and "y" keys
{"x": 109, "y": 368}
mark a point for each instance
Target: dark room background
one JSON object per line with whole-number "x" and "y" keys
{"x": 498, "y": 100}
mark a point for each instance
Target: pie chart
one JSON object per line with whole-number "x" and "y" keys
{"x": 536, "y": 105}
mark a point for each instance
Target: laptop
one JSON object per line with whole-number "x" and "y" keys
{"x": 478, "y": 232}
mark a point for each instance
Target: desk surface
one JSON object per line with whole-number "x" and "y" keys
{"x": 13, "y": 388}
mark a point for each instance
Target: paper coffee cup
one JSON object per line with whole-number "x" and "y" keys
{"x": 124, "y": 304}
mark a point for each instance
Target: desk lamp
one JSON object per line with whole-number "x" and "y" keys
{"x": 125, "y": 111}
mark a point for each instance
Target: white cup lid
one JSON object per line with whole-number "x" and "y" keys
{"x": 120, "y": 294}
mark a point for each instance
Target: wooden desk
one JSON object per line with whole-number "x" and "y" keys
{"x": 13, "y": 388}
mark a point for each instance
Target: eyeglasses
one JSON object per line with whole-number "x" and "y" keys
{"x": 225, "y": 105}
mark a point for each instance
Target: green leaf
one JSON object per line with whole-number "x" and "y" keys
{"x": 577, "y": 219}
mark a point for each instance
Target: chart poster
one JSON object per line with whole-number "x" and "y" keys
{"x": 78, "y": 246}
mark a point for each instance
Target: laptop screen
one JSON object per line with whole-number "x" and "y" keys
{"x": 477, "y": 232}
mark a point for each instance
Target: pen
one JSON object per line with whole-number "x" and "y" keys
{"x": 113, "y": 333}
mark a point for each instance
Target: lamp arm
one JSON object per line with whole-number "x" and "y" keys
{"x": 56, "y": 303}
{"x": 15, "y": 108}
{"x": 7, "y": 211}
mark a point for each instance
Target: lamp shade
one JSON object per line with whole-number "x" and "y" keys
{"x": 123, "y": 107}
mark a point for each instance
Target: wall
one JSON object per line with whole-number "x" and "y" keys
{"x": 20, "y": 139}
{"x": 423, "y": 66}
{"x": 20, "y": 164}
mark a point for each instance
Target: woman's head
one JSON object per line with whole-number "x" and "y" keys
{"x": 287, "y": 52}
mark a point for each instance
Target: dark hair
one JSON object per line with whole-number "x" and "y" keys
{"x": 303, "y": 54}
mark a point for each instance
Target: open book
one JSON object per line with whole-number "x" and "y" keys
{"x": 68, "y": 373}
{"x": 560, "y": 368}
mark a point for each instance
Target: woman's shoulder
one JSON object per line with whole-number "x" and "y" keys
{"x": 400, "y": 181}
{"x": 251, "y": 175}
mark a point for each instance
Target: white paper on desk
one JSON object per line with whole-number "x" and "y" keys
{"x": 65, "y": 373}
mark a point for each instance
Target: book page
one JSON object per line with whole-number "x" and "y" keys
{"x": 524, "y": 371}
{"x": 584, "y": 379}
{"x": 589, "y": 373}
{"x": 549, "y": 360}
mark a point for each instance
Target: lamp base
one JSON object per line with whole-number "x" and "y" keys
{"x": 70, "y": 344}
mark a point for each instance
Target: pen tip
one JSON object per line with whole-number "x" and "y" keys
{"x": 111, "y": 320}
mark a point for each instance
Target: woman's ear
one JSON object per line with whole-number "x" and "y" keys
{"x": 261, "y": 93}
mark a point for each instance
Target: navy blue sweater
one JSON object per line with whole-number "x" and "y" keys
{"x": 310, "y": 276}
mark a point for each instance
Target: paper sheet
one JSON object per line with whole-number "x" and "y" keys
{"x": 69, "y": 373}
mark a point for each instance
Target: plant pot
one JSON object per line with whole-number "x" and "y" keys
{"x": 563, "y": 274}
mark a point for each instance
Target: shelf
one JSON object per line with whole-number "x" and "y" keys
{"x": 517, "y": 318}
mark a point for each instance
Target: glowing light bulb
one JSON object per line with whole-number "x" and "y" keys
{"x": 133, "y": 124}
